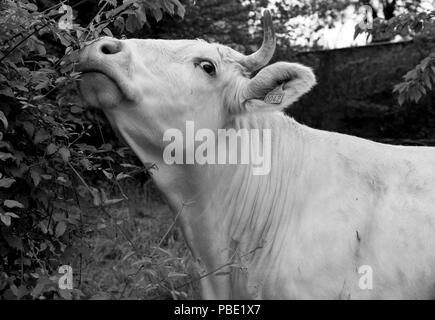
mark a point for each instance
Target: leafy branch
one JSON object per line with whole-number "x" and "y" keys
{"x": 420, "y": 80}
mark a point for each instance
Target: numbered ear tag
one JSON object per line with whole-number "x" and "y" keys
{"x": 275, "y": 96}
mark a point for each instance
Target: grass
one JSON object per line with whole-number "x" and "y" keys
{"x": 125, "y": 260}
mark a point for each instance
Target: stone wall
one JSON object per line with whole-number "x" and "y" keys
{"x": 354, "y": 91}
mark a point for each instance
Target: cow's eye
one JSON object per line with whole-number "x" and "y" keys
{"x": 208, "y": 67}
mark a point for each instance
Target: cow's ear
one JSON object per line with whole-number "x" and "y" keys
{"x": 277, "y": 86}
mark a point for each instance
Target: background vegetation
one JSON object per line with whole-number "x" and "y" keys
{"x": 71, "y": 194}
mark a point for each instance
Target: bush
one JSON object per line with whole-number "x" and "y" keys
{"x": 52, "y": 149}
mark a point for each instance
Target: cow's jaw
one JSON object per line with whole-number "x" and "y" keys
{"x": 98, "y": 90}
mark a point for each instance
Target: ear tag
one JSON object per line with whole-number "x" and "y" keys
{"x": 275, "y": 96}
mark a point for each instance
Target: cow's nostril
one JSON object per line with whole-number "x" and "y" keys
{"x": 110, "y": 47}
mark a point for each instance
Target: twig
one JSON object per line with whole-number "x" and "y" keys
{"x": 101, "y": 207}
{"x": 211, "y": 272}
{"x": 92, "y": 192}
{"x": 80, "y": 136}
{"x": 50, "y": 217}
{"x": 81, "y": 235}
{"x": 97, "y": 15}
{"x": 44, "y": 12}
{"x": 133, "y": 245}
{"x": 81, "y": 178}
{"x": 110, "y": 165}
{"x": 22, "y": 41}
{"x": 112, "y": 18}
{"x": 171, "y": 226}
{"x": 217, "y": 269}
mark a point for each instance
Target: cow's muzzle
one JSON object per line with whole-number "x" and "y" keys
{"x": 107, "y": 57}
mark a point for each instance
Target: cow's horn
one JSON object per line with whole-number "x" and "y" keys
{"x": 263, "y": 55}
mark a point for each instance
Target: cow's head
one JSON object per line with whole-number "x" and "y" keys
{"x": 149, "y": 86}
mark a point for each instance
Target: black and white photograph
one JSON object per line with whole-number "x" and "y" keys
{"x": 237, "y": 151}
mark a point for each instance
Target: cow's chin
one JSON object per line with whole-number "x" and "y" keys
{"x": 100, "y": 91}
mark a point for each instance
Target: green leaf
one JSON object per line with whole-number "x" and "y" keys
{"x": 14, "y": 242}
{"x": 3, "y": 280}
{"x": 19, "y": 292}
{"x": 65, "y": 294}
{"x": 20, "y": 87}
{"x": 60, "y": 229}
{"x": 51, "y": 148}
{"x": 43, "y": 225}
{"x": 13, "y": 204}
{"x": 128, "y": 165}
{"x": 111, "y": 2}
{"x": 29, "y": 128}
{"x": 6, "y": 182}
{"x": 176, "y": 274}
{"x": 119, "y": 24}
{"x": 107, "y": 31}
{"x": 427, "y": 82}
{"x": 38, "y": 97}
{"x": 7, "y": 91}
{"x": 3, "y": 119}
{"x": 108, "y": 174}
{"x": 41, "y": 135}
{"x": 65, "y": 41}
{"x": 106, "y": 147}
{"x": 109, "y": 202}
{"x": 168, "y": 6}
{"x": 122, "y": 175}
{"x": 31, "y": 7}
{"x": 64, "y": 153}
{"x": 96, "y": 197}
{"x": 401, "y": 99}
{"x": 62, "y": 179}
{"x": 180, "y": 8}
{"x": 5, "y": 156}
{"x": 75, "y": 109}
{"x": 42, "y": 85}
{"x": 158, "y": 15}
{"x": 5, "y": 219}
{"x": 132, "y": 23}
{"x": 86, "y": 163}
{"x": 101, "y": 226}
{"x": 36, "y": 292}
{"x": 40, "y": 48}
{"x": 36, "y": 176}
{"x": 11, "y": 214}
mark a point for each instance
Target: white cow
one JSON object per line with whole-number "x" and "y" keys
{"x": 336, "y": 217}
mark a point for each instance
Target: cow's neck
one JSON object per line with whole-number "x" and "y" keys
{"x": 227, "y": 214}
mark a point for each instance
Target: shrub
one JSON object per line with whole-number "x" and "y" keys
{"x": 50, "y": 145}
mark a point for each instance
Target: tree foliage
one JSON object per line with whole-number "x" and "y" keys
{"x": 418, "y": 81}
